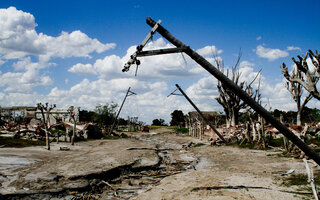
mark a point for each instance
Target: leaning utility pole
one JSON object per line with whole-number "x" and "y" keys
{"x": 181, "y": 47}
{"x": 200, "y": 113}
{"x": 129, "y": 93}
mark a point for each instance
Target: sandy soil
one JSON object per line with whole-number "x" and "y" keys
{"x": 220, "y": 172}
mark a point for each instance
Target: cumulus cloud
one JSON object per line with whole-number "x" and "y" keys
{"x": 23, "y": 82}
{"x": 19, "y": 38}
{"x": 83, "y": 69}
{"x": 292, "y": 48}
{"x": 270, "y": 54}
{"x": 74, "y": 44}
{"x": 31, "y": 51}
{"x": 246, "y": 63}
{"x": 210, "y": 51}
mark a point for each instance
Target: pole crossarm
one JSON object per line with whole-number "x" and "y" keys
{"x": 133, "y": 57}
{"x": 130, "y": 93}
{"x": 160, "y": 52}
{"x": 173, "y": 93}
{"x": 201, "y": 114}
{"x": 238, "y": 91}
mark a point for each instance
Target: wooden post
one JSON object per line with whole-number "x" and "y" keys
{"x": 237, "y": 90}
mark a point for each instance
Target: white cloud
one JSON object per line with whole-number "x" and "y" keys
{"x": 270, "y": 54}
{"x": 83, "y": 69}
{"x": 19, "y": 38}
{"x": 23, "y": 82}
{"x": 292, "y": 48}
{"x": 74, "y": 44}
{"x": 210, "y": 51}
{"x": 31, "y": 51}
{"x": 203, "y": 94}
{"x": 246, "y": 63}
{"x": 258, "y": 38}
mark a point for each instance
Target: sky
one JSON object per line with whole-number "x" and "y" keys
{"x": 72, "y": 52}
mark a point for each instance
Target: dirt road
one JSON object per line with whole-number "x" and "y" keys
{"x": 156, "y": 165}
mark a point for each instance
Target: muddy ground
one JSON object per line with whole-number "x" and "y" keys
{"x": 155, "y": 165}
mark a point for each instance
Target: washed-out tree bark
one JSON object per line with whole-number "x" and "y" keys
{"x": 310, "y": 74}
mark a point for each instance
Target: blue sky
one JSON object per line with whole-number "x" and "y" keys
{"x": 72, "y": 52}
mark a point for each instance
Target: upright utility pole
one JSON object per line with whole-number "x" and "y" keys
{"x": 200, "y": 113}
{"x": 228, "y": 83}
{"x": 129, "y": 93}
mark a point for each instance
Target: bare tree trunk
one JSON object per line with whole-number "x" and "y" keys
{"x": 73, "y": 133}
{"x": 248, "y": 132}
{"x": 46, "y": 129}
{"x": 262, "y": 133}
{"x": 254, "y": 132}
{"x": 228, "y": 123}
{"x": 234, "y": 117}
{"x": 299, "y": 117}
{"x": 304, "y": 132}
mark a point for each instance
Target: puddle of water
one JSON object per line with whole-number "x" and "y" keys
{"x": 202, "y": 164}
{"x": 12, "y": 162}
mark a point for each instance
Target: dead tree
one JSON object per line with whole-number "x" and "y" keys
{"x": 257, "y": 127}
{"x": 74, "y": 114}
{"x": 296, "y": 91}
{"x": 45, "y": 111}
{"x": 229, "y": 100}
{"x": 309, "y": 76}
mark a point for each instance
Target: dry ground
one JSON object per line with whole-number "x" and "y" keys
{"x": 216, "y": 172}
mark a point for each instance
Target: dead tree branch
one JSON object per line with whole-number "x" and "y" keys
{"x": 309, "y": 77}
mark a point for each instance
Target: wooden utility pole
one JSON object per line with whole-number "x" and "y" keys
{"x": 200, "y": 113}
{"x": 129, "y": 93}
{"x": 230, "y": 85}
